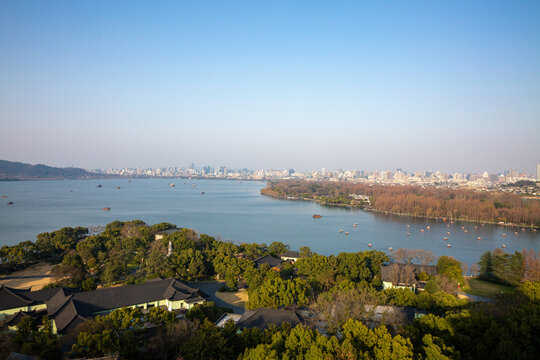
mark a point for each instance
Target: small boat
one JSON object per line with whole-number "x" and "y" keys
{"x": 448, "y": 245}
{"x": 106, "y": 208}
{"x": 100, "y": 185}
{"x": 408, "y": 226}
{"x": 346, "y": 233}
{"x": 408, "y": 234}
{"x": 10, "y": 203}
{"x": 316, "y": 216}
{"x": 463, "y": 228}
{"x": 534, "y": 230}
{"x": 340, "y": 230}
{"x": 194, "y": 185}
{"x": 4, "y": 196}
{"x": 70, "y": 190}
{"x": 503, "y": 246}
{"x": 448, "y": 233}
{"x": 355, "y": 225}
{"x": 172, "y": 185}
{"x": 447, "y": 225}
{"x": 129, "y": 180}
{"x": 522, "y": 229}
{"x": 503, "y": 235}
{"x": 465, "y": 231}
{"x": 369, "y": 245}
{"x": 445, "y": 238}
{"x": 202, "y": 192}
{"x": 428, "y": 228}
{"x": 479, "y": 238}
{"x": 390, "y": 249}
{"x": 476, "y": 228}
{"x": 118, "y": 187}
{"x": 515, "y": 232}
{"x": 421, "y": 230}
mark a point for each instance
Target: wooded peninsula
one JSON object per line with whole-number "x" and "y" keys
{"x": 441, "y": 203}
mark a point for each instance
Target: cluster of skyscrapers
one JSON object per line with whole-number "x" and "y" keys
{"x": 434, "y": 178}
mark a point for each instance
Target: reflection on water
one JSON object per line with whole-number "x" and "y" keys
{"x": 236, "y": 211}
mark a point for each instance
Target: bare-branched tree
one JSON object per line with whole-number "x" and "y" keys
{"x": 407, "y": 276}
{"x": 423, "y": 257}
{"x": 474, "y": 269}
{"x": 403, "y": 256}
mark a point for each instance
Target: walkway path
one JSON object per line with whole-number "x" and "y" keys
{"x": 475, "y": 297}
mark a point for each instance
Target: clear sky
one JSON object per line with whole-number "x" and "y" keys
{"x": 443, "y": 85}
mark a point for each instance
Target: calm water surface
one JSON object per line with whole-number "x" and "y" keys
{"x": 236, "y": 211}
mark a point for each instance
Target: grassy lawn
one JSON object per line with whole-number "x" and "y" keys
{"x": 475, "y": 286}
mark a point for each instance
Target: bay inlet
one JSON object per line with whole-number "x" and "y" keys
{"x": 236, "y": 211}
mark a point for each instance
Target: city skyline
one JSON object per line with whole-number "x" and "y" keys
{"x": 301, "y": 85}
{"x": 221, "y": 168}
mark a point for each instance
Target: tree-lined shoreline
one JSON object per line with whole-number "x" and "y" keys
{"x": 440, "y": 204}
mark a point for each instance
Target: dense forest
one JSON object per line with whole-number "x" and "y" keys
{"x": 340, "y": 289}
{"x": 455, "y": 204}
{"x": 10, "y": 170}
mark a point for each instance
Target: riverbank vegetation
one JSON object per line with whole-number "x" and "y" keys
{"x": 452, "y": 204}
{"x": 342, "y": 290}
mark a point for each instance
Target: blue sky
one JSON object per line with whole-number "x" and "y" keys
{"x": 419, "y": 85}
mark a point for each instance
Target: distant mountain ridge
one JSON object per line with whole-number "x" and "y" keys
{"x": 10, "y": 170}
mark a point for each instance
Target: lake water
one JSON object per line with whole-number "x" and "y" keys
{"x": 236, "y": 211}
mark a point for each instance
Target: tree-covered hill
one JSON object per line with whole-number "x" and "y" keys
{"x": 10, "y": 170}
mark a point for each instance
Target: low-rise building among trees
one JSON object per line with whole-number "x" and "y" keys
{"x": 405, "y": 275}
{"x": 68, "y": 309}
{"x": 271, "y": 261}
{"x": 291, "y": 256}
{"x": 261, "y": 318}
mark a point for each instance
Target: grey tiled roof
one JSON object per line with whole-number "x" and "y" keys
{"x": 69, "y": 308}
{"x": 261, "y": 318}
{"x": 13, "y": 298}
{"x": 86, "y": 304}
{"x": 267, "y": 259}
{"x": 14, "y": 319}
{"x": 55, "y": 303}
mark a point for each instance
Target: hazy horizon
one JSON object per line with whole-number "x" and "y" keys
{"x": 419, "y": 85}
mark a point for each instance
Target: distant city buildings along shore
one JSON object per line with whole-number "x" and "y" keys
{"x": 398, "y": 177}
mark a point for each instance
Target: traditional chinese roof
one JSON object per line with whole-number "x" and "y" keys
{"x": 290, "y": 254}
{"x": 68, "y": 308}
{"x": 386, "y": 270}
{"x": 14, "y": 319}
{"x": 14, "y": 298}
{"x": 268, "y": 259}
{"x": 261, "y": 318}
